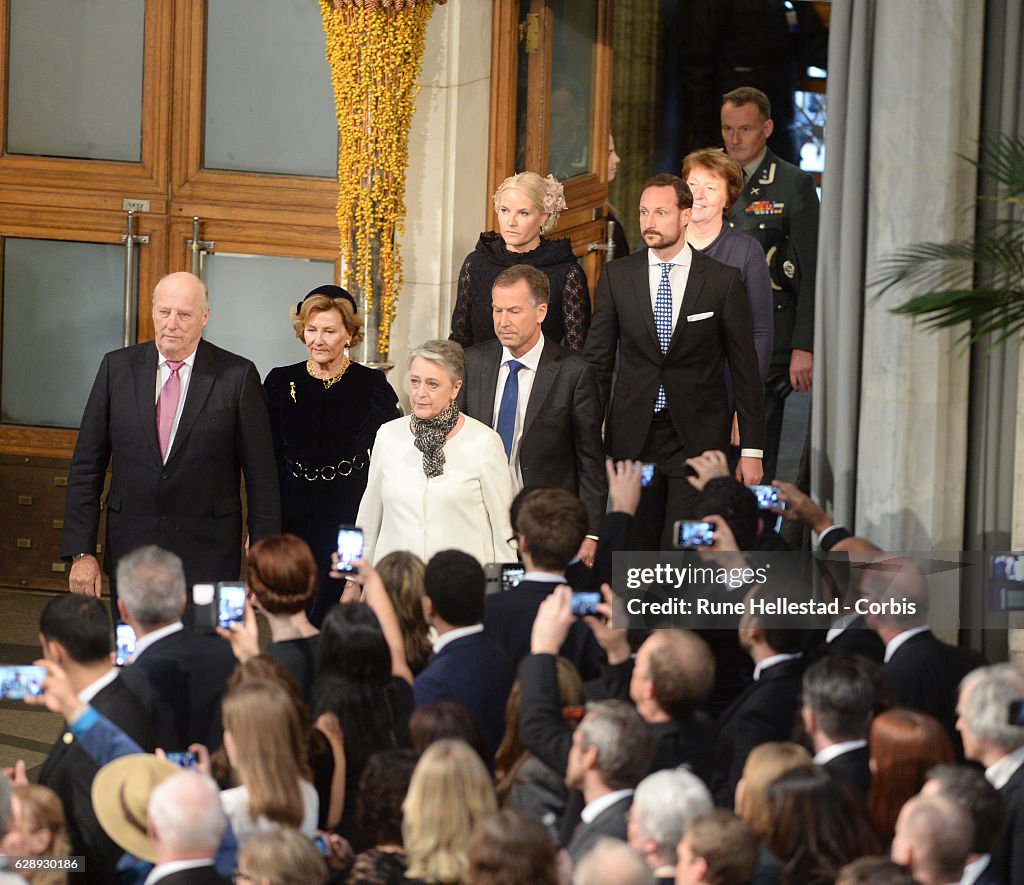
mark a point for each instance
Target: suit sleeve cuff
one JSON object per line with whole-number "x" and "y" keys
{"x": 832, "y": 536}
{"x": 752, "y": 453}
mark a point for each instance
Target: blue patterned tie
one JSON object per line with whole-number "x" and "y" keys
{"x": 507, "y": 408}
{"x": 663, "y": 322}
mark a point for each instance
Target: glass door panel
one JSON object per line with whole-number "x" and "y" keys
{"x": 250, "y": 300}
{"x": 62, "y": 310}
{"x": 571, "y": 108}
{"x": 259, "y": 117}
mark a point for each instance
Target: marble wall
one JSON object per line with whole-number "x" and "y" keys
{"x": 912, "y": 444}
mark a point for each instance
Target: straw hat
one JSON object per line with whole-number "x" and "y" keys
{"x": 120, "y": 797}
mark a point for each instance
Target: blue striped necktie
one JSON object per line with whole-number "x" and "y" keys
{"x": 663, "y": 322}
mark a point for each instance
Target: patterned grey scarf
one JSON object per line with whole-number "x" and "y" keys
{"x": 430, "y": 436}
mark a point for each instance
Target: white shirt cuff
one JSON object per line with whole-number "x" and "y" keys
{"x": 751, "y": 453}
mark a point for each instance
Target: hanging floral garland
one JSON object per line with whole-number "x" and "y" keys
{"x": 375, "y": 50}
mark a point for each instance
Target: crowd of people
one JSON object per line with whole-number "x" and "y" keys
{"x": 393, "y": 714}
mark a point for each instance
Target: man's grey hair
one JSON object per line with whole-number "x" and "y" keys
{"x": 612, "y": 862}
{"x": 625, "y": 746}
{"x": 186, "y": 814}
{"x": 151, "y": 582}
{"x": 448, "y": 354}
{"x": 665, "y": 802}
{"x": 985, "y": 698}
{"x": 840, "y": 691}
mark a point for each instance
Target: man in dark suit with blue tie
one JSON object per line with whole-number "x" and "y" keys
{"x": 180, "y": 421}
{"x": 540, "y": 397}
{"x": 671, "y": 319}
{"x": 467, "y": 667}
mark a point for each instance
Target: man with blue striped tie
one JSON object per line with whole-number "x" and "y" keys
{"x": 674, "y": 318}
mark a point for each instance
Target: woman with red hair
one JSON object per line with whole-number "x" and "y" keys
{"x": 904, "y": 745}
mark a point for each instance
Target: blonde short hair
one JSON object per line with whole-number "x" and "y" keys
{"x": 546, "y": 194}
{"x": 284, "y": 856}
{"x": 449, "y": 795}
{"x": 316, "y": 303}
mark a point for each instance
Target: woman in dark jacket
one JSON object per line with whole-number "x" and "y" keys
{"x": 324, "y": 415}
{"x": 527, "y": 206}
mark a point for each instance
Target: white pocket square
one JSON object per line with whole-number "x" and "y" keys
{"x": 696, "y": 317}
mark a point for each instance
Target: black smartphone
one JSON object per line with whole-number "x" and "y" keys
{"x": 646, "y": 474}
{"x": 350, "y": 547}
{"x": 18, "y": 682}
{"x": 585, "y": 603}
{"x": 511, "y": 574}
{"x": 688, "y": 534}
{"x": 230, "y": 603}
{"x": 768, "y": 497}
{"x": 124, "y": 644}
{"x": 188, "y": 759}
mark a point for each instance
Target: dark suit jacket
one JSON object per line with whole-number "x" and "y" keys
{"x": 1008, "y": 851}
{"x": 713, "y": 325}
{"x": 790, "y": 235}
{"x": 561, "y": 441}
{"x": 508, "y": 621}
{"x": 191, "y": 505}
{"x": 610, "y": 823}
{"x": 181, "y": 679}
{"x": 857, "y": 639}
{"x": 473, "y": 671}
{"x": 852, "y": 768}
{"x": 197, "y": 876}
{"x": 764, "y": 711}
{"x": 925, "y": 673}
{"x": 69, "y": 772}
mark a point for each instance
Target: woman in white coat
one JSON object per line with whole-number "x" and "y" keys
{"x": 439, "y": 479}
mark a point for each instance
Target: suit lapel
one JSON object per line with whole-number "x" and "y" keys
{"x": 547, "y": 372}
{"x": 195, "y": 396}
{"x": 694, "y": 285}
{"x": 144, "y": 379}
{"x": 642, "y": 294}
{"x": 483, "y": 391}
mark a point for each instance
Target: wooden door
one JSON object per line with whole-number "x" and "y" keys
{"x": 551, "y": 73}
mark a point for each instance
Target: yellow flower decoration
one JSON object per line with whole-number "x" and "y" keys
{"x": 375, "y": 50}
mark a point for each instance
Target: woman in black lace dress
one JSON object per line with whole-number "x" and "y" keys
{"x": 324, "y": 415}
{"x": 527, "y": 206}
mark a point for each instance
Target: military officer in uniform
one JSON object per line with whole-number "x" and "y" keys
{"x": 779, "y": 208}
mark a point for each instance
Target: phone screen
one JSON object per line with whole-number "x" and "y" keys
{"x": 646, "y": 474}
{"x": 188, "y": 759}
{"x": 511, "y": 575}
{"x": 350, "y": 547}
{"x": 585, "y": 603}
{"x": 230, "y": 603}
{"x": 20, "y": 682}
{"x": 694, "y": 534}
{"x": 768, "y": 497}
{"x": 124, "y": 644}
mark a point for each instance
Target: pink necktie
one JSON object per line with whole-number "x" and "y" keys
{"x": 167, "y": 406}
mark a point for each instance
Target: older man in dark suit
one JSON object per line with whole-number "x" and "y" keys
{"x": 180, "y": 675}
{"x": 540, "y": 397}
{"x": 672, "y": 318}
{"x": 180, "y": 421}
